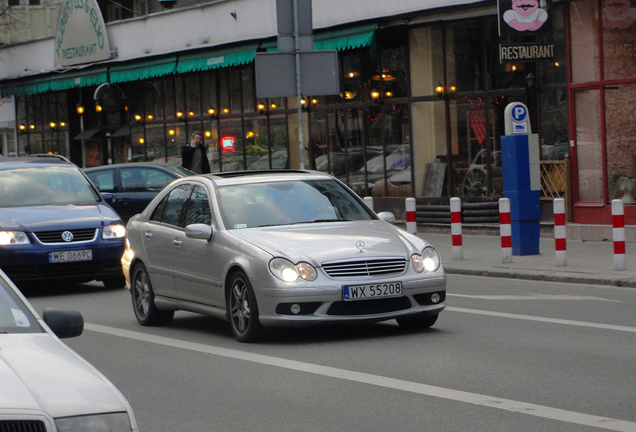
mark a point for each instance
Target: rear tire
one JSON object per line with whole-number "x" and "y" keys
{"x": 143, "y": 300}
{"x": 418, "y": 322}
{"x": 242, "y": 309}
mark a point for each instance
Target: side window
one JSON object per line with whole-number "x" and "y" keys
{"x": 169, "y": 209}
{"x": 198, "y": 207}
{"x": 156, "y": 180}
{"x": 133, "y": 180}
{"x": 103, "y": 180}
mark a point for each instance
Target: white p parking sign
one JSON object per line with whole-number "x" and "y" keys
{"x": 516, "y": 119}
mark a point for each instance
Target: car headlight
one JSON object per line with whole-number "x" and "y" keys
{"x": 429, "y": 260}
{"x": 114, "y": 232}
{"x": 114, "y": 422}
{"x": 288, "y": 272}
{"x": 13, "y": 238}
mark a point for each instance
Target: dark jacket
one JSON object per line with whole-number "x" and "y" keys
{"x": 186, "y": 158}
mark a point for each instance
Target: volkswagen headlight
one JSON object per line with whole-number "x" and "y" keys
{"x": 429, "y": 260}
{"x": 113, "y": 422}
{"x": 114, "y": 232}
{"x": 13, "y": 238}
{"x": 289, "y": 272}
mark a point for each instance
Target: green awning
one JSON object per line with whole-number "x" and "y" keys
{"x": 78, "y": 78}
{"x": 87, "y": 134}
{"x": 26, "y": 86}
{"x": 217, "y": 58}
{"x": 345, "y": 39}
{"x": 141, "y": 70}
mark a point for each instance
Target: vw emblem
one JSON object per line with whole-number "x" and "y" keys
{"x": 67, "y": 236}
{"x": 360, "y": 245}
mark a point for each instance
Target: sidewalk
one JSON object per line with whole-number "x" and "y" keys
{"x": 587, "y": 262}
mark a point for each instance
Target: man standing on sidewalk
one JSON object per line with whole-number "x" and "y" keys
{"x": 194, "y": 156}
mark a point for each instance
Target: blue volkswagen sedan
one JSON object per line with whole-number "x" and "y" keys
{"x": 55, "y": 226}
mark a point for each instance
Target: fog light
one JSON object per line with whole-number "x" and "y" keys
{"x": 295, "y": 308}
{"x": 435, "y": 298}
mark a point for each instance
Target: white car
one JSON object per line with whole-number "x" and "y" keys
{"x": 277, "y": 248}
{"x": 44, "y": 385}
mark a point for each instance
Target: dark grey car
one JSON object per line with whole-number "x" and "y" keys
{"x": 134, "y": 185}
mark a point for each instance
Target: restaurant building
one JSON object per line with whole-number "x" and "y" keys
{"x": 419, "y": 112}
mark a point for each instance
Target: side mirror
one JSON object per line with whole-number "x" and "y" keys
{"x": 199, "y": 231}
{"x": 64, "y": 323}
{"x": 109, "y": 198}
{"x": 387, "y": 217}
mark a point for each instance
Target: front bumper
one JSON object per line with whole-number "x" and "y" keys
{"x": 325, "y": 305}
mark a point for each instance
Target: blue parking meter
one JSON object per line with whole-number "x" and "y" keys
{"x": 521, "y": 179}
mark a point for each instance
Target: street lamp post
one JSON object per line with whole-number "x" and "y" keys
{"x": 80, "y": 111}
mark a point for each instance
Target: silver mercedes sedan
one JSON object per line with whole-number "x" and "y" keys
{"x": 277, "y": 248}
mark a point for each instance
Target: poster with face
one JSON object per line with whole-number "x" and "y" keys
{"x": 618, "y": 14}
{"x": 517, "y": 17}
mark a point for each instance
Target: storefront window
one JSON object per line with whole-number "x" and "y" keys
{"x": 353, "y": 79}
{"x": 247, "y": 84}
{"x": 621, "y": 140}
{"x": 426, "y": 59}
{"x": 619, "y": 39}
{"x": 584, "y": 41}
{"x": 231, "y": 146}
{"x": 589, "y": 148}
{"x": 464, "y": 58}
{"x": 193, "y": 96}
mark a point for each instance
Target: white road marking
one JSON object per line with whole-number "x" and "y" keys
{"x": 542, "y": 319}
{"x": 381, "y": 381}
{"x": 532, "y": 297}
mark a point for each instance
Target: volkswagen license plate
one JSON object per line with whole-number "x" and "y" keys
{"x": 71, "y": 256}
{"x": 372, "y": 291}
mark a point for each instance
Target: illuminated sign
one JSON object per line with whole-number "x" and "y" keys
{"x": 519, "y": 53}
{"x": 227, "y": 144}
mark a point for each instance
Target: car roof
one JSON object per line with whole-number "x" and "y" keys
{"x": 166, "y": 166}
{"x": 254, "y": 176}
{"x": 29, "y": 161}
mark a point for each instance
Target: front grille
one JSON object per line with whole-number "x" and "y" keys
{"x": 22, "y": 426}
{"x": 368, "y": 307}
{"x": 79, "y": 235}
{"x": 370, "y": 267}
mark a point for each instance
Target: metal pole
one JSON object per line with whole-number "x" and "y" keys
{"x": 83, "y": 141}
{"x": 301, "y": 144}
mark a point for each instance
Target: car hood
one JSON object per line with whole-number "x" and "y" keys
{"x": 52, "y": 217}
{"x": 38, "y": 372}
{"x": 333, "y": 241}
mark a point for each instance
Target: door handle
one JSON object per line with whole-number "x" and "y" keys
{"x": 177, "y": 242}
{"x": 148, "y": 235}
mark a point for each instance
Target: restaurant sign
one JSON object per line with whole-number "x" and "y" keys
{"x": 519, "y": 53}
{"x": 80, "y": 36}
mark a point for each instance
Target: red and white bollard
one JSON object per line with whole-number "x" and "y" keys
{"x": 411, "y": 220}
{"x": 618, "y": 233}
{"x": 505, "y": 230}
{"x": 368, "y": 201}
{"x": 456, "y": 228}
{"x": 559, "y": 232}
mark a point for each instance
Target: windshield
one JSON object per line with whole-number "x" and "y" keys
{"x": 14, "y": 316}
{"x": 45, "y": 185}
{"x": 288, "y": 202}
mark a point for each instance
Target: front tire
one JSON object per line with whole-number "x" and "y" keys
{"x": 143, "y": 300}
{"x": 418, "y": 322}
{"x": 243, "y": 310}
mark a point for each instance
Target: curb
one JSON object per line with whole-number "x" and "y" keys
{"x": 589, "y": 280}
